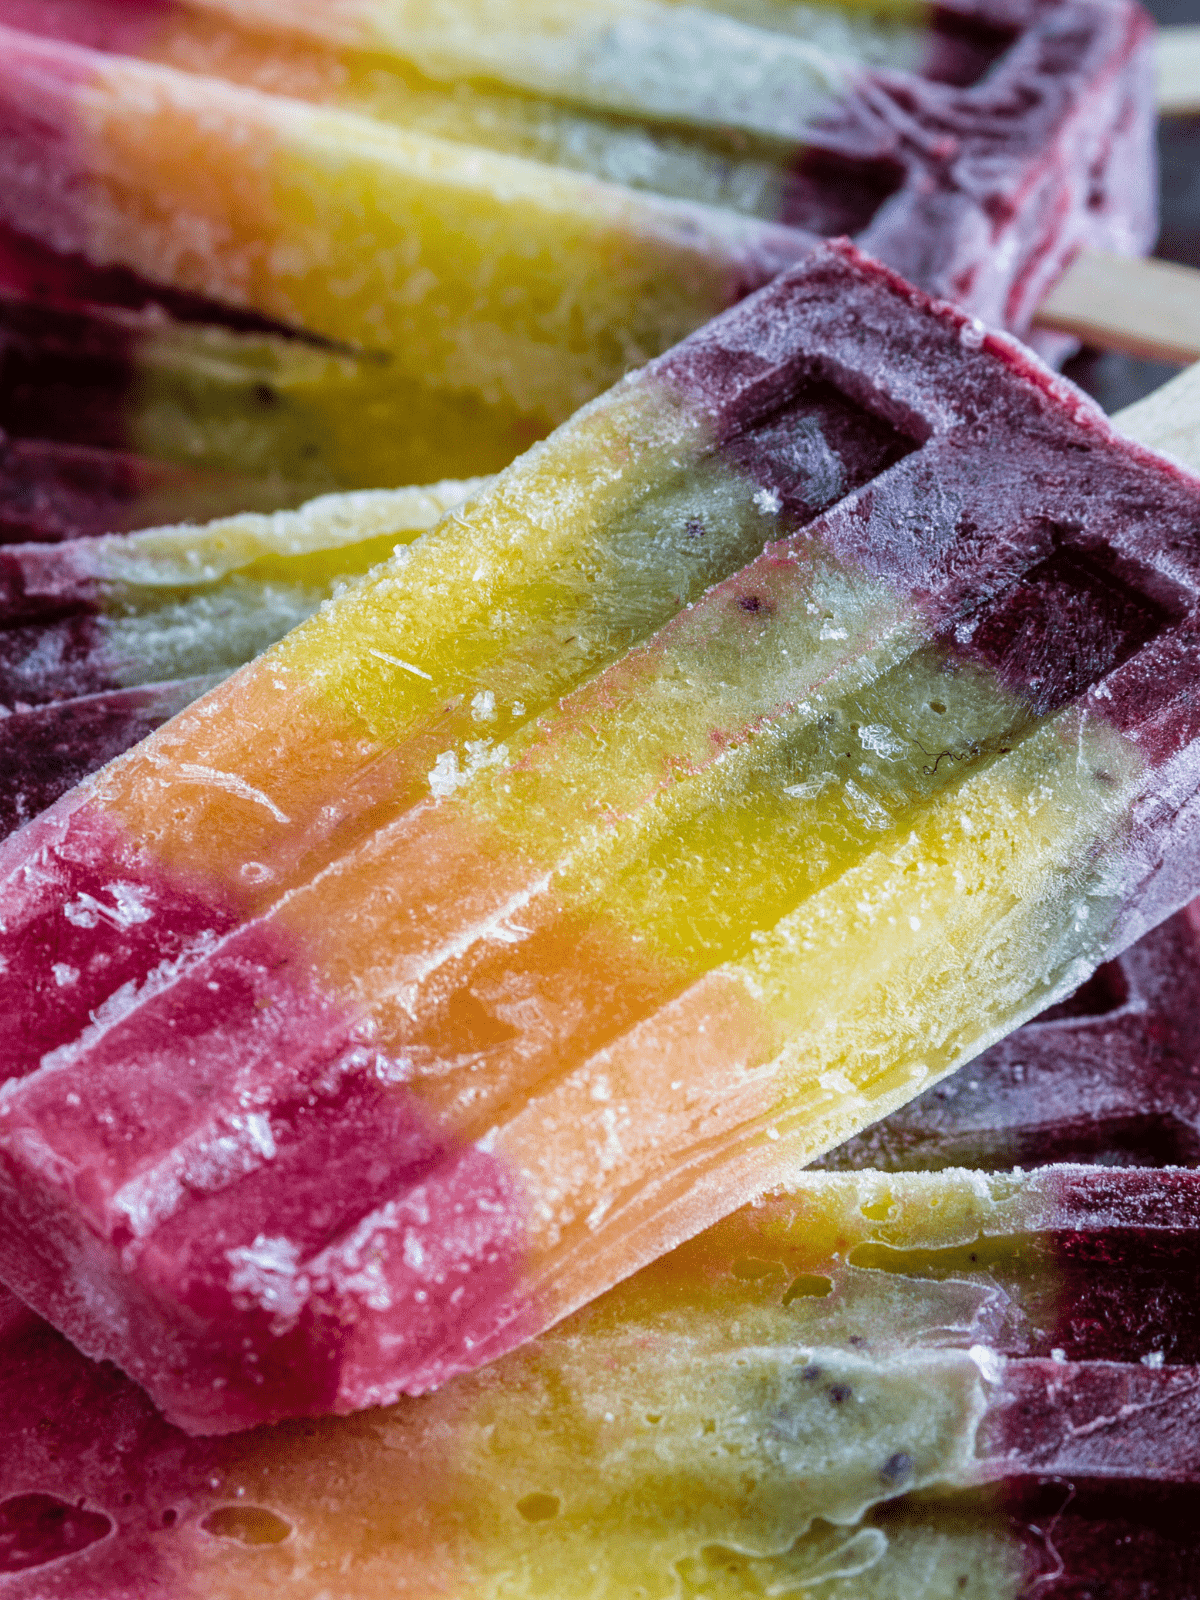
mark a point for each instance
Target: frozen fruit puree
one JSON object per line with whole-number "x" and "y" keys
{"x": 517, "y": 203}
{"x": 912, "y": 1385}
{"x": 91, "y": 615}
{"x": 102, "y": 640}
{"x": 1111, "y": 1074}
{"x": 589, "y": 863}
{"x": 511, "y": 283}
{"x": 113, "y": 366}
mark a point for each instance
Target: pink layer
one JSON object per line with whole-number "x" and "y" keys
{"x": 273, "y": 1226}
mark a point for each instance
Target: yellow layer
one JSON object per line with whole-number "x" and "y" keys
{"x": 305, "y": 415}
{"x": 906, "y": 965}
{"x": 343, "y": 720}
{"x": 532, "y": 289}
{"x": 277, "y": 545}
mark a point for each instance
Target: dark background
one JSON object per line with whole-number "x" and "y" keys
{"x": 1117, "y": 381}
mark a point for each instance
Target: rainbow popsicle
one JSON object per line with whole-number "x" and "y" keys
{"x": 507, "y": 283}
{"x": 96, "y": 634}
{"x": 952, "y": 141}
{"x": 1109, "y": 1075}
{"x": 352, "y": 225}
{"x": 559, "y": 984}
{"x": 95, "y": 359}
{"x": 93, "y": 615}
{"x": 903, "y": 1380}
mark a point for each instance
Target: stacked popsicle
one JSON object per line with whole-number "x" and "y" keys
{"x": 127, "y": 405}
{"x": 813, "y": 116}
{"x": 907, "y": 1385}
{"x": 101, "y": 640}
{"x": 559, "y": 984}
{"x": 508, "y": 206}
{"x": 1110, "y": 1075}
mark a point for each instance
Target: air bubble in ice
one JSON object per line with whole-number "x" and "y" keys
{"x": 38, "y": 1528}
{"x": 808, "y": 1286}
{"x": 897, "y": 1468}
{"x": 538, "y": 1507}
{"x": 251, "y": 1525}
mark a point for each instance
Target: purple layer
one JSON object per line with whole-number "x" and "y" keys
{"x": 50, "y": 491}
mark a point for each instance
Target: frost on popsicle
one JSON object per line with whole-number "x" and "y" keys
{"x": 1107, "y": 1075}
{"x": 591, "y": 863}
{"x": 102, "y": 640}
{"x": 866, "y": 1385}
{"x": 96, "y": 614}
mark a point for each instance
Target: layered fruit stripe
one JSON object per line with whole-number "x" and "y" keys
{"x": 953, "y": 142}
{"x": 102, "y": 640}
{"x": 107, "y": 366}
{"x": 1111, "y": 1075}
{"x": 507, "y": 282}
{"x": 46, "y": 750}
{"x": 540, "y": 898}
{"x": 91, "y": 615}
{"x": 910, "y": 1385}
{"x": 51, "y": 490}
{"x": 524, "y": 286}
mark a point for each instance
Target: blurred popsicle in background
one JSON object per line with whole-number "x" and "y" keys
{"x": 488, "y": 252}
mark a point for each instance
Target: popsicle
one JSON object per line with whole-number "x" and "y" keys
{"x": 531, "y": 286}
{"x": 500, "y": 280}
{"x": 46, "y": 750}
{"x": 561, "y": 983}
{"x": 96, "y": 359}
{"x": 865, "y": 1385}
{"x": 1110, "y": 1075}
{"x": 51, "y": 490}
{"x": 92, "y": 630}
{"x": 93, "y": 615}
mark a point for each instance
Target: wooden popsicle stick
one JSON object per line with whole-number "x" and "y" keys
{"x": 1169, "y": 419}
{"x": 1142, "y": 307}
{"x": 1179, "y": 70}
